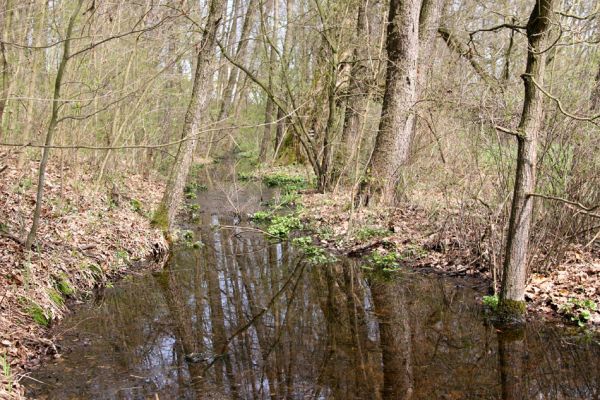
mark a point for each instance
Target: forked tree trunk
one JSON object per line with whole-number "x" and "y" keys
{"x": 164, "y": 216}
{"x": 392, "y": 144}
{"x": 514, "y": 277}
{"x": 56, "y": 103}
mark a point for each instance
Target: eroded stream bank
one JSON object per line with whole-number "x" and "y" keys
{"x": 245, "y": 317}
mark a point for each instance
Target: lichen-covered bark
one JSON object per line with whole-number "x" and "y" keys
{"x": 515, "y": 262}
{"x": 392, "y": 144}
{"x": 165, "y": 215}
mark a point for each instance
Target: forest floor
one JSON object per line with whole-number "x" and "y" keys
{"x": 560, "y": 295}
{"x": 86, "y": 239}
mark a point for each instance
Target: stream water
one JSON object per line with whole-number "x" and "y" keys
{"x": 246, "y": 318}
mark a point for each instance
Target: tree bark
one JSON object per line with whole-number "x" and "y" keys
{"x": 164, "y": 216}
{"x": 392, "y": 144}
{"x": 56, "y": 103}
{"x": 515, "y": 261}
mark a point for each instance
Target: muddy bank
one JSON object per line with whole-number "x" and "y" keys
{"x": 409, "y": 232}
{"x": 88, "y": 237}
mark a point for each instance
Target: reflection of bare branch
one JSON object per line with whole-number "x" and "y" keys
{"x": 299, "y": 267}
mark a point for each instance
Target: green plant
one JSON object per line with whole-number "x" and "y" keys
{"x": 383, "y": 263}
{"x": 122, "y": 255}
{"x": 187, "y": 235}
{"x": 261, "y": 216}
{"x": 369, "y": 232}
{"x": 64, "y": 286}
{"x": 578, "y": 311}
{"x": 56, "y": 297}
{"x": 314, "y": 255}
{"x": 491, "y": 302}
{"x": 38, "y": 314}
{"x": 245, "y": 176}
{"x": 285, "y": 181}
{"x": 136, "y": 205}
{"x": 6, "y": 371}
{"x": 24, "y": 185}
{"x": 282, "y": 225}
{"x": 414, "y": 251}
{"x": 325, "y": 232}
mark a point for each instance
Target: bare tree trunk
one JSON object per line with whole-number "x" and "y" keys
{"x": 595, "y": 97}
{"x": 56, "y": 103}
{"x": 514, "y": 277}
{"x": 393, "y": 141}
{"x": 270, "y": 108}
{"x": 357, "y": 95}
{"x": 4, "y": 9}
{"x": 429, "y": 23}
{"x": 164, "y": 216}
{"x": 287, "y": 42}
{"x": 232, "y": 87}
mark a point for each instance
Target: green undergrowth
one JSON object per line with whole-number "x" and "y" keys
{"x": 38, "y": 313}
{"x": 281, "y": 226}
{"x": 370, "y": 232}
{"x": 314, "y": 254}
{"x": 578, "y": 311}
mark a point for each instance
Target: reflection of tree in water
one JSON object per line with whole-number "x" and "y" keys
{"x": 246, "y": 318}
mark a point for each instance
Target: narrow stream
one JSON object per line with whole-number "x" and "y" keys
{"x": 246, "y": 318}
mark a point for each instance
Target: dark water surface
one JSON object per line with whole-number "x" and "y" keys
{"x": 246, "y": 318}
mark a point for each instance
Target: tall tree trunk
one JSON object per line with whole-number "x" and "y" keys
{"x": 232, "y": 87}
{"x": 164, "y": 216}
{"x": 56, "y": 103}
{"x": 392, "y": 144}
{"x": 270, "y": 107}
{"x": 514, "y": 277}
{"x": 4, "y": 28}
{"x": 595, "y": 97}
{"x": 356, "y": 101}
{"x": 285, "y": 64}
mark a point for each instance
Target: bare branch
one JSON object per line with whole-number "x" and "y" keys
{"x": 582, "y": 208}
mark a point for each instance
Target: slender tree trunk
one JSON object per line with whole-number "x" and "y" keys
{"x": 392, "y": 144}
{"x": 52, "y": 125}
{"x": 164, "y": 216}
{"x": 287, "y": 42}
{"x": 595, "y": 97}
{"x": 4, "y": 28}
{"x": 515, "y": 261}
